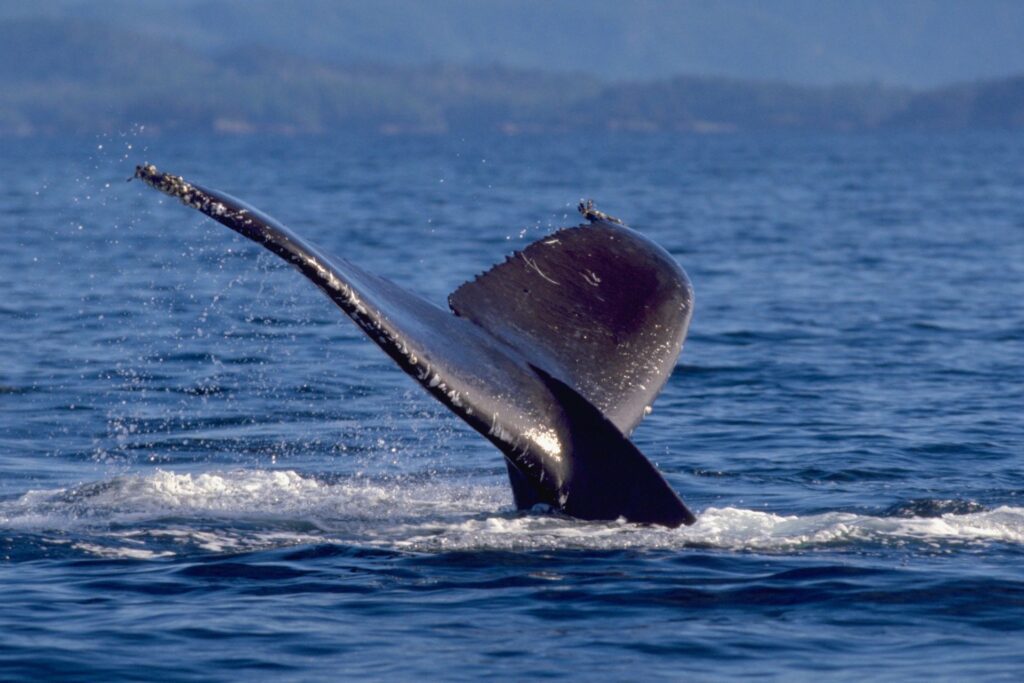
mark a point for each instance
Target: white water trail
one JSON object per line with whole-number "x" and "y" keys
{"x": 165, "y": 513}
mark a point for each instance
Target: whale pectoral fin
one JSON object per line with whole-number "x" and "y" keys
{"x": 607, "y": 477}
{"x": 599, "y": 305}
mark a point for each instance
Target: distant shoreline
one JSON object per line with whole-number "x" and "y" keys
{"x": 63, "y": 77}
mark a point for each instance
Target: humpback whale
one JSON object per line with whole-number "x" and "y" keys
{"x": 554, "y": 356}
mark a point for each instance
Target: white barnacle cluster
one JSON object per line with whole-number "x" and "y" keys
{"x": 423, "y": 371}
{"x": 346, "y": 297}
{"x": 431, "y": 379}
{"x": 176, "y": 186}
{"x": 438, "y": 387}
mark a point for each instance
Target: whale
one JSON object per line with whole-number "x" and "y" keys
{"x": 554, "y": 355}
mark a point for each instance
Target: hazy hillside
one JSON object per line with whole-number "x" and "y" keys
{"x": 59, "y": 76}
{"x": 997, "y": 104}
{"x": 917, "y": 43}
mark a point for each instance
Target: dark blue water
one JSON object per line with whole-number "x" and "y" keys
{"x": 207, "y": 473}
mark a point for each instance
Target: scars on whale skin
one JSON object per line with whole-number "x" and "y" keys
{"x": 554, "y": 356}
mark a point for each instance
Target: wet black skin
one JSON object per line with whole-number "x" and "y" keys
{"x": 553, "y": 356}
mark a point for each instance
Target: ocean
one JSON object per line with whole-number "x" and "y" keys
{"x": 207, "y": 473}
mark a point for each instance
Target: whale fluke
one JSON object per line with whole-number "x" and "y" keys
{"x": 554, "y": 355}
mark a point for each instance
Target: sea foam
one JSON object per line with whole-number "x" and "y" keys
{"x": 165, "y": 513}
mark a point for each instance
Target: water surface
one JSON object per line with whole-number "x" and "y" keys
{"x": 207, "y": 473}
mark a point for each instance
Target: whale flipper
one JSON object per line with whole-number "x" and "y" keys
{"x": 553, "y": 356}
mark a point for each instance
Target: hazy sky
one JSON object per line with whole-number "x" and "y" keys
{"x": 909, "y": 42}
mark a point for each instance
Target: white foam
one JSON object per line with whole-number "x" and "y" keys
{"x": 121, "y": 553}
{"x": 164, "y": 513}
{"x": 241, "y": 493}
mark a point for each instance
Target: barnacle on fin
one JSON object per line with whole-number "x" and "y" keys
{"x": 176, "y": 186}
{"x": 590, "y": 212}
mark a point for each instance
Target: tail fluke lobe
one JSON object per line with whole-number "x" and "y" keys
{"x": 606, "y": 476}
{"x": 599, "y": 306}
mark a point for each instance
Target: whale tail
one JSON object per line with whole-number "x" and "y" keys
{"x": 554, "y": 355}
{"x": 597, "y": 306}
{"x": 608, "y": 471}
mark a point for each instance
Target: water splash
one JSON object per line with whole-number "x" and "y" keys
{"x": 165, "y": 513}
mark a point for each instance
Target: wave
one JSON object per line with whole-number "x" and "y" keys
{"x": 164, "y": 514}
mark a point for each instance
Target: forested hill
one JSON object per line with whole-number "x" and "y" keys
{"x": 60, "y": 76}
{"x": 925, "y": 43}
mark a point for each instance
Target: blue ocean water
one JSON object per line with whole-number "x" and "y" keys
{"x": 207, "y": 473}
